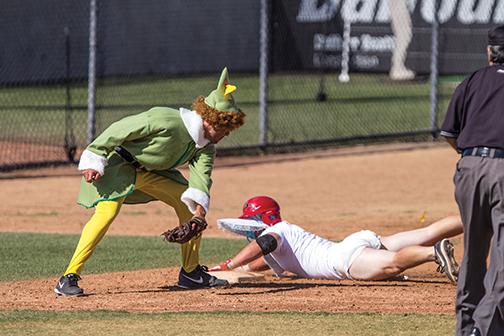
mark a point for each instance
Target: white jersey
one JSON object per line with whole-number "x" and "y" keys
{"x": 310, "y": 256}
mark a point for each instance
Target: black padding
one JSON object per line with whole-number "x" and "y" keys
{"x": 267, "y": 243}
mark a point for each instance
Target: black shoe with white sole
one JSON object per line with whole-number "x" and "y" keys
{"x": 67, "y": 285}
{"x": 199, "y": 278}
{"x": 445, "y": 258}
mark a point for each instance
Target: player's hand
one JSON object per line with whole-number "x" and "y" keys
{"x": 199, "y": 211}
{"x": 221, "y": 267}
{"x": 91, "y": 175}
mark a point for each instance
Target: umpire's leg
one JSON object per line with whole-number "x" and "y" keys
{"x": 488, "y": 316}
{"x": 472, "y": 271}
{"x": 472, "y": 201}
{"x": 169, "y": 192}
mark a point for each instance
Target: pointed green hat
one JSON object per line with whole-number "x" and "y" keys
{"x": 221, "y": 98}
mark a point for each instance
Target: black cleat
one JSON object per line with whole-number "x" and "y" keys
{"x": 445, "y": 259}
{"x": 199, "y": 278}
{"x": 67, "y": 285}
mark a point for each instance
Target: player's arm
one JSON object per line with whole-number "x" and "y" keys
{"x": 263, "y": 245}
{"x": 197, "y": 195}
{"x": 257, "y": 265}
{"x": 94, "y": 158}
{"x": 452, "y": 142}
{"x": 199, "y": 211}
{"x": 452, "y": 124}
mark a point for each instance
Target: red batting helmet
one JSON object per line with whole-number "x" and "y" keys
{"x": 262, "y": 208}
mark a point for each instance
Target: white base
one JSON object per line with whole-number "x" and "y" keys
{"x": 234, "y": 277}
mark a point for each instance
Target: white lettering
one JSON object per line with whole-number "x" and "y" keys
{"x": 309, "y": 12}
{"x": 354, "y": 43}
{"x": 377, "y": 43}
{"x": 326, "y": 61}
{"x": 365, "y": 42}
{"x": 331, "y": 42}
{"x": 358, "y": 10}
{"x": 383, "y": 14}
{"x": 366, "y": 61}
{"x": 444, "y": 13}
{"x": 469, "y": 12}
{"x": 378, "y": 11}
{"x": 499, "y": 12}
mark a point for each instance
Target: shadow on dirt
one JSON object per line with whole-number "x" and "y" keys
{"x": 256, "y": 288}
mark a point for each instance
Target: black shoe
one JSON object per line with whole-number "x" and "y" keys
{"x": 475, "y": 332}
{"x": 199, "y": 278}
{"x": 67, "y": 285}
{"x": 445, "y": 259}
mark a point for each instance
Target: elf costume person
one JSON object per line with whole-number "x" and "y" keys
{"x": 135, "y": 160}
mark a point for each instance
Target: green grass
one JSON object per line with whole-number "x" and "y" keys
{"x": 31, "y": 255}
{"x": 221, "y": 323}
{"x": 368, "y": 104}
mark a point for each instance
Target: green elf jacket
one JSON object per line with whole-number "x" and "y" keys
{"x": 161, "y": 140}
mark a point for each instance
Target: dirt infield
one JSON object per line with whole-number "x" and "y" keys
{"x": 332, "y": 193}
{"x": 154, "y": 291}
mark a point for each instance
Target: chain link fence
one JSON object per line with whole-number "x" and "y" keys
{"x": 349, "y": 71}
{"x": 309, "y": 73}
{"x": 42, "y": 93}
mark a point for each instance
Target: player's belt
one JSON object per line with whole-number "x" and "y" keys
{"x": 484, "y": 152}
{"x": 127, "y": 156}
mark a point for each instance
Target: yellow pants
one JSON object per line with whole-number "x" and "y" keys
{"x": 157, "y": 186}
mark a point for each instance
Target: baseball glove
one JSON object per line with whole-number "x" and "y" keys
{"x": 185, "y": 232}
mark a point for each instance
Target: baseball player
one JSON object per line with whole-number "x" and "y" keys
{"x": 134, "y": 161}
{"x": 473, "y": 126}
{"x": 361, "y": 256}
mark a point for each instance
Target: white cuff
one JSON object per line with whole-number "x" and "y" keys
{"x": 90, "y": 160}
{"x": 194, "y": 125}
{"x": 192, "y": 197}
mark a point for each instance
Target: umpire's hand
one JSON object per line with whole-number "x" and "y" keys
{"x": 91, "y": 175}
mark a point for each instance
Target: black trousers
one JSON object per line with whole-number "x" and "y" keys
{"x": 479, "y": 191}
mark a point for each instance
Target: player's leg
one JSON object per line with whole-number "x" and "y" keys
{"x": 92, "y": 234}
{"x": 373, "y": 264}
{"x": 169, "y": 192}
{"x": 426, "y": 236}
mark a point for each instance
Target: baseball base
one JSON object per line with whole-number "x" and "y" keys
{"x": 234, "y": 277}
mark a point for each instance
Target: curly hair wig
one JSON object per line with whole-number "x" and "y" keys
{"x": 216, "y": 118}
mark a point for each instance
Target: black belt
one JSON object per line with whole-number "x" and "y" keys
{"x": 484, "y": 152}
{"x": 127, "y": 156}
